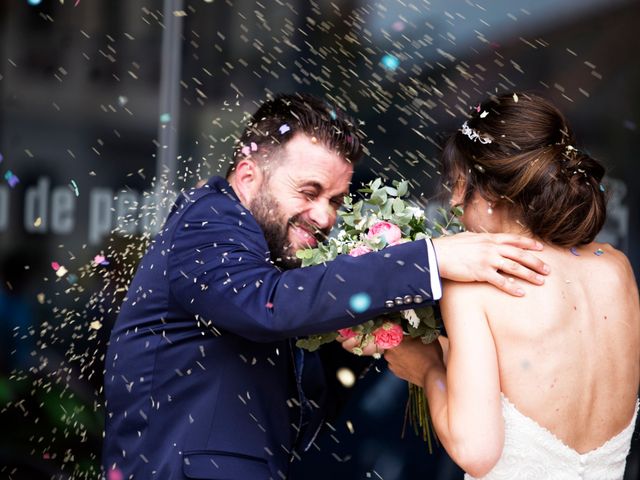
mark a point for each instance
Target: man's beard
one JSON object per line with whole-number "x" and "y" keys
{"x": 266, "y": 210}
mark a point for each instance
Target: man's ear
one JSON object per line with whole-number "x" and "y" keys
{"x": 247, "y": 180}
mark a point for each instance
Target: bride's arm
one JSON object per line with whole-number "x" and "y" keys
{"x": 464, "y": 396}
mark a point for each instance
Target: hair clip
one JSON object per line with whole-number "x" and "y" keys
{"x": 473, "y": 134}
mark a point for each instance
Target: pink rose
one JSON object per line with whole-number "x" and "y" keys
{"x": 347, "y": 333}
{"x": 359, "y": 250}
{"x": 389, "y": 335}
{"x": 390, "y": 232}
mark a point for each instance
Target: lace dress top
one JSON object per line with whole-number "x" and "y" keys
{"x": 533, "y": 452}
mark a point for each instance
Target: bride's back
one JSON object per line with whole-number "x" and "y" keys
{"x": 569, "y": 351}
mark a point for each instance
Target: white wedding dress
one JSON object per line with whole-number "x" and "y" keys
{"x": 533, "y": 452}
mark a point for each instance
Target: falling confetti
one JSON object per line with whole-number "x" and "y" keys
{"x": 1, "y": 158}
{"x": 390, "y": 62}
{"x": 360, "y": 302}
{"x": 11, "y": 179}
{"x": 284, "y": 128}
{"x": 602, "y": 188}
{"x": 95, "y": 325}
{"x": 598, "y": 252}
{"x": 100, "y": 260}
{"x": 484, "y": 114}
{"x": 122, "y": 100}
{"x": 515, "y": 97}
{"x": 34, "y": 2}
{"x": 74, "y": 187}
{"x": 165, "y": 118}
{"x": 574, "y": 251}
{"x": 269, "y": 305}
{"x": 37, "y": 222}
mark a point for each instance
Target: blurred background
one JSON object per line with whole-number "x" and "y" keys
{"x": 106, "y": 107}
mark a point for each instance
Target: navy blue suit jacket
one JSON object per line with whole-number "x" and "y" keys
{"x": 200, "y": 371}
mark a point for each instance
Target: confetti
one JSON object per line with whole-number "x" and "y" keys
{"x": 122, "y": 100}
{"x": 598, "y": 252}
{"x": 11, "y": 179}
{"x": 360, "y": 302}
{"x": 34, "y": 2}
{"x": 41, "y": 298}
{"x": 484, "y": 114}
{"x": 574, "y": 251}
{"x": 398, "y": 26}
{"x": 1, "y": 158}
{"x": 246, "y": 150}
{"x": 333, "y": 115}
{"x": 254, "y": 147}
{"x": 71, "y": 278}
{"x": 268, "y": 305}
{"x": 346, "y": 377}
{"x": 284, "y": 128}
{"x": 515, "y": 97}
{"x": 95, "y": 325}
{"x": 61, "y": 272}
{"x": 602, "y": 188}
{"x": 74, "y": 187}
{"x": 165, "y": 118}
{"x": 55, "y": 265}
{"x": 478, "y": 108}
{"x": 390, "y": 62}
{"x": 37, "y": 222}
{"x": 100, "y": 260}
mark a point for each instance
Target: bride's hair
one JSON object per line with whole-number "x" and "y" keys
{"x": 518, "y": 151}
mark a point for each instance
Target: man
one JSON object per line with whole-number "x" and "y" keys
{"x": 202, "y": 379}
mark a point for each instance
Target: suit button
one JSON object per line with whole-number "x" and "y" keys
{"x": 408, "y": 299}
{"x": 398, "y": 300}
{"x": 389, "y": 304}
{"x": 417, "y": 299}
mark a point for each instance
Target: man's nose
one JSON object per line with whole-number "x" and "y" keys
{"x": 322, "y": 215}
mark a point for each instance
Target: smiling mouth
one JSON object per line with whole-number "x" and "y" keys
{"x": 304, "y": 235}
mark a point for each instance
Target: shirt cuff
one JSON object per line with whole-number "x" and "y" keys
{"x": 434, "y": 273}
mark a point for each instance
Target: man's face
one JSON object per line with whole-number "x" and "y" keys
{"x": 300, "y": 195}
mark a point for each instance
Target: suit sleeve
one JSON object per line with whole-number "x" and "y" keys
{"x": 219, "y": 270}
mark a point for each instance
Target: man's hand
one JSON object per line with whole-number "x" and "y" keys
{"x": 480, "y": 257}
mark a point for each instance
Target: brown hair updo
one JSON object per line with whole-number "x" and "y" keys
{"x": 518, "y": 151}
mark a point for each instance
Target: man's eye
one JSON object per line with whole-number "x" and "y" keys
{"x": 336, "y": 203}
{"x": 309, "y": 195}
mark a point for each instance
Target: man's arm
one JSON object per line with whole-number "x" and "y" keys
{"x": 218, "y": 270}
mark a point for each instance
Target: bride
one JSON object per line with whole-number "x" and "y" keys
{"x": 543, "y": 386}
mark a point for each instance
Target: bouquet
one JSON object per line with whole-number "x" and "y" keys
{"x": 381, "y": 218}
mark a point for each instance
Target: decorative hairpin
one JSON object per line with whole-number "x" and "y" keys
{"x": 473, "y": 134}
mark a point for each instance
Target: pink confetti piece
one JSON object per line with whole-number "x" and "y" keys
{"x": 269, "y": 305}
{"x": 55, "y": 266}
{"x": 254, "y": 147}
{"x": 98, "y": 259}
{"x": 246, "y": 151}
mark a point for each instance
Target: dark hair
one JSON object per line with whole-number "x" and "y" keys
{"x": 518, "y": 151}
{"x": 279, "y": 119}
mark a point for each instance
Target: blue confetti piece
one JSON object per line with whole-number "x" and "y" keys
{"x": 598, "y": 252}
{"x": 165, "y": 118}
{"x": 72, "y": 278}
{"x": 333, "y": 115}
{"x": 34, "y": 2}
{"x": 74, "y": 187}
{"x": 11, "y": 179}
{"x": 1, "y": 158}
{"x": 360, "y": 302}
{"x": 390, "y": 62}
{"x": 574, "y": 251}
{"x": 602, "y": 189}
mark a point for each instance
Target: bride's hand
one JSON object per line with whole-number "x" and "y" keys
{"x": 412, "y": 359}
